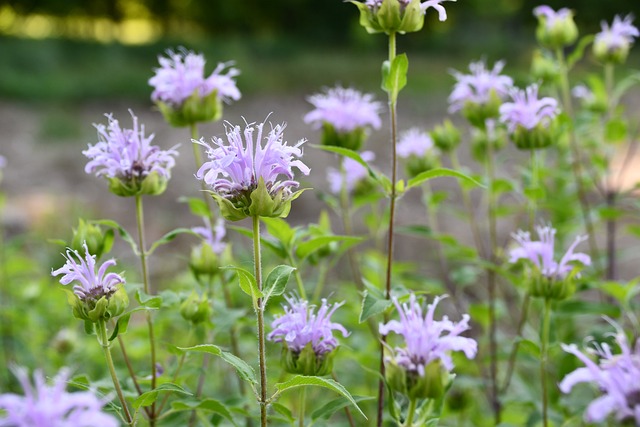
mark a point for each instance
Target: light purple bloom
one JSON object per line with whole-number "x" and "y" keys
{"x": 527, "y": 110}
{"x": 234, "y": 169}
{"x": 127, "y": 153}
{"x": 620, "y": 35}
{"x": 427, "y": 339}
{"x": 182, "y": 74}
{"x": 301, "y": 325}
{"x": 552, "y": 17}
{"x": 374, "y": 5}
{"x": 45, "y": 405}
{"x": 213, "y": 235}
{"x": 345, "y": 109}
{"x": 91, "y": 285}
{"x": 354, "y": 173}
{"x": 3, "y": 162}
{"x": 478, "y": 87}
{"x": 541, "y": 253}
{"x": 616, "y": 376}
{"x": 414, "y": 142}
{"x": 583, "y": 93}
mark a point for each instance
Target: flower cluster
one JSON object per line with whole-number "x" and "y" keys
{"x": 396, "y": 16}
{"x": 206, "y": 258}
{"x": 98, "y": 294}
{"x": 245, "y": 175}
{"x": 185, "y": 95}
{"x": 529, "y": 119}
{"x": 212, "y": 234}
{"x": 479, "y": 94}
{"x": 345, "y": 115}
{"x": 351, "y": 175}
{"x": 128, "y": 160}
{"x": 612, "y": 44}
{"x": 616, "y": 376}
{"x": 46, "y": 405}
{"x": 556, "y": 29}
{"x": 417, "y": 148}
{"x": 308, "y": 336}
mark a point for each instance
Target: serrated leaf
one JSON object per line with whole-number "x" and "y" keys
{"x": 304, "y": 381}
{"x": 124, "y": 234}
{"x": 284, "y": 411}
{"x": 438, "y": 172}
{"x": 243, "y": 369}
{"x": 276, "y": 282}
{"x": 148, "y": 398}
{"x": 372, "y": 305}
{"x": 150, "y": 301}
{"x": 209, "y": 405}
{"x": 335, "y": 405}
{"x": 305, "y": 249}
{"x": 280, "y": 229}
{"x": 169, "y": 237}
{"x": 394, "y": 76}
{"x": 247, "y": 282}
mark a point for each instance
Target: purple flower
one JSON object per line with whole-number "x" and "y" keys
{"x": 3, "y": 162}
{"x": 615, "y": 375}
{"x": 345, "y": 109}
{"x": 414, "y": 142}
{"x": 354, "y": 172}
{"x": 91, "y": 285}
{"x": 234, "y": 170}
{"x": 127, "y": 154}
{"x": 374, "y": 5}
{"x": 46, "y": 405}
{"x": 527, "y": 110}
{"x": 427, "y": 339}
{"x": 480, "y": 86}
{"x": 182, "y": 74}
{"x": 301, "y": 325}
{"x": 541, "y": 253}
{"x": 212, "y": 235}
{"x": 620, "y": 34}
{"x": 551, "y": 17}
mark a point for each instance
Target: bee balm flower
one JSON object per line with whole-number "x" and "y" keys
{"x": 416, "y": 148}
{"x": 354, "y": 173}
{"x": 612, "y": 44}
{"x": 45, "y": 405}
{"x": 245, "y": 175}
{"x": 555, "y": 29}
{"x": 397, "y": 16}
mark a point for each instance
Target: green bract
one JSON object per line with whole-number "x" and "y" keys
{"x": 391, "y": 18}
{"x": 352, "y": 140}
{"x": 195, "y": 109}
{"x": 446, "y": 136}
{"x": 195, "y": 309}
{"x": 98, "y": 242}
{"x": 432, "y": 385}
{"x": 104, "y": 308}
{"x": 306, "y": 362}
{"x": 152, "y": 185}
{"x": 532, "y": 139}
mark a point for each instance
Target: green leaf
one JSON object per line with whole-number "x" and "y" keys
{"x": 616, "y": 130}
{"x": 244, "y": 371}
{"x": 275, "y": 246}
{"x": 280, "y": 229}
{"x": 335, "y": 405}
{"x": 530, "y": 347}
{"x": 148, "y": 398}
{"x": 122, "y": 324}
{"x": 284, "y": 411}
{"x": 197, "y": 206}
{"x": 372, "y": 305}
{"x": 208, "y": 405}
{"x": 437, "y": 172}
{"x": 310, "y": 246}
{"x": 276, "y": 281}
{"x": 394, "y": 76}
{"x": 501, "y": 185}
{"x": 169, "y": 237}
{"x": 578, "y": 52}
{"x": 152, "y": 302}
{"x": 353, "y": 155}
{"x": 577, "y": 307}
{"x": 303, "y": 381}
{"x": 247, "y": 281}
{"x": 124, "y": 234}
{"x": 622, "y": 292}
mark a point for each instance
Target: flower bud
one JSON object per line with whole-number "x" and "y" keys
{"x": 544, "y": 68}
{"x": 195, "y": 109}
{"x": 481, "y": 141}
{"x": 153, "y": 184}
{"x": 415, "y": 165}
{"x": 99, "y": 243}
{"x": 478, "y": 114}
{"x": 446, "y": 136}
{"x": 204, "y": 261}
{"x": 532, "y": 139}
{"x": 104, "y": 308}
{"x": 195, "y": 309}
{"x": 352, "y": 140}
{"x": 307, "y": 362}
{"x": 555, "y": 29}
{"x": 391, "y": 16}
{"x": 610, "y": 54}
{"x": 432, "y": 385}
{"x": 551, "y": 288}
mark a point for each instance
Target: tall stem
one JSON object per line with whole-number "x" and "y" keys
{"x": 611, "y": 236}
{"x": 103, "y": 339}
{"x": 576, "y": 164}
{"x": 260, "y": 313}
{"x": 516, "y": 344}
{"x": 411, "y": 412}
{"x": 345, "y": 212}
{"x": 392, "y": 208}
{"x": 301, "y": 404}
{"x": 148, "y": 290}
{"x": 544, "y": 348}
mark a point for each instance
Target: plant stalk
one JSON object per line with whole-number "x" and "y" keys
{"x": 543, "y": 360}
{"x": 411, "y": 412}
{"x": 260, "y": 314}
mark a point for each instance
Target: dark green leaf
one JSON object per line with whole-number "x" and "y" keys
{"x": 372, "y": 305}
{"x": 335, "y": 405}
{"x": 310, "y": 246}
{"x": 169, "y": 237}
{"x": 276, "y": 281}
{"x": 208, "y": 405}
{"x": 124, "y": 234}
{"x": 149, "y": 301}
{"x": 242, "y": 368}
{"x": 437, "y": 172}
{"x": 148, "y": 398}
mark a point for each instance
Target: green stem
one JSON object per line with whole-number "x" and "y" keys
{"x": 296, "y": 274}
{"x": 260, "y": 313}
{"x": 576, "y": 164}
{"x": 322, "y": 274}
{"x": 533, "y": 185}
{"x": 411, "y": 412}
{"x": 392, "y": 208}
{"x": 345, "y": 213}
{"x": 611, "y": 190}
{"x": 543, "y": 360}
{"x": 302, "y": 402}
{"x": 516, "y": 344}
{"x": 178, "y": 369}
{"x": 103, "y": 339}
{"x": 148, "y": 291}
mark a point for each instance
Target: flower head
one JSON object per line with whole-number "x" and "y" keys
{"x": 426, "y": 339}
{"x": 128, "y": 160}
{"x": 483, "y": 89}
{"x": 212, "y": 234}
{"x": 249, "y": 179}
{"x": 308, "y": 336}
{"x": 185, "y": 95}
{"x": 615, "y": 375}
{"x": 45, "y": 405}
{"x": 353, "y": 174}
{"x": 206, "y": 257}
{"x": 396, "y": 16}
{"x": 613, "y": 43}
{"x": 528, "y": 118}
{"x": 98, "y": 293}
{"x": 345, "y": 115}
{"x": 414, "y": 142}
{"x": 556, "y": 29}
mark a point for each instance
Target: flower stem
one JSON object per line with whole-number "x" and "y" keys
{"x": 544, "y": 344}
{"x": 516, "y": 344}
{"x": 296, "y": 274}
{"x": 148, "y": 291}
{"x": 103, "y": 339}
{"x": 260, "y": 313}
{"x": 411, "y": 412}
{"x": 302, "y": 402}
{"x": 392, "y": 208}
{"x": 345, "y": 213}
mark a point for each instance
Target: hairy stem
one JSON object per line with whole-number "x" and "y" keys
{"x": 544, "y": 349}
{"x": 260, "y": 313}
